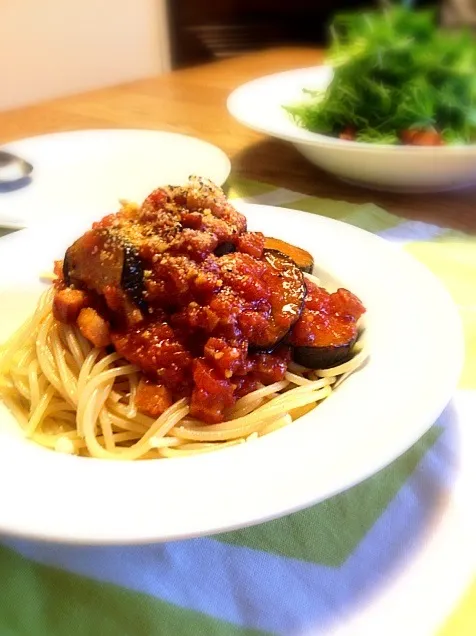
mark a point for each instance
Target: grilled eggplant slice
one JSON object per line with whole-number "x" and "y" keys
{"x": 324, "y": 357}
{"x": 287, "y": 305}
{"x": 303, "y": 259}
{"x": 327, "y": 330}
{"x": 99, "y": 260}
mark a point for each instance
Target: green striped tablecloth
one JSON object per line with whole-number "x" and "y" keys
{"x": 393, "y": 555}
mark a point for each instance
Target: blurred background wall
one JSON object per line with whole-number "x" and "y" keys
{"x": 50, "y": 48}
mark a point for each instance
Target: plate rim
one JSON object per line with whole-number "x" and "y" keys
{"x": 16, "y": 144}
{"x": 254, "y": 455}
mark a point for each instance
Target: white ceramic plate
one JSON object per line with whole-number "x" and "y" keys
{"x": 258, "y": 105}
{"x": 371, "y": 418}
{"x": 85, "y": 171}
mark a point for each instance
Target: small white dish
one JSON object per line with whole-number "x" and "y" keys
{"x": 370, "y": 419}
{"x": 85, "y": 172}
{"x": 259, "y": 105}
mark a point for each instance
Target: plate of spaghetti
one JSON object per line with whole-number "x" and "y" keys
{"x": 178, "y": 368}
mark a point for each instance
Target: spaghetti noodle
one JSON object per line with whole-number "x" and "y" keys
{"x": 72, "y": 397}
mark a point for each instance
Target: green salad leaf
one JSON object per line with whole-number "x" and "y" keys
{"x": 395, "y": 70}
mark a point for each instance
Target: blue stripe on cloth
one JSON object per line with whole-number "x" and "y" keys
{"x": 262, "y": 590}
{"x": 412, "y": 231}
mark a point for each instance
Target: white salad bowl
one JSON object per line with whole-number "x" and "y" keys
{"x": 259, "y": 105}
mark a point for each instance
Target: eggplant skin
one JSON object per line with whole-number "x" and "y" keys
{"x": 132, "y": 277}
{"x": 225, "y": 248}
{"x": 300, "y": 257}
{"x": 67, "y": 268}
{"x": 323, "y": 357}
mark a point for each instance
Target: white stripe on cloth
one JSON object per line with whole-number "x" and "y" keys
{"x": 277, "y": 197}
{"x": 409, "y": 231}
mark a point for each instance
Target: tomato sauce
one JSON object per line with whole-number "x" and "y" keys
{"x": 210, "y": 311}
{"x": 327, "y": 319}
{"x": 186, "y": 293}
{"x": 186, "y": 316}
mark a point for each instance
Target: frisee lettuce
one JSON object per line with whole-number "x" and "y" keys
{"x": 395, "y": 70}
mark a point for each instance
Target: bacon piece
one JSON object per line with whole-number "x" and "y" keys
{"x": 212, "y": 393}
{"x": 152, "y": 399}
{"x": 251, "y": 243}
{"x": 94, "y": 328}
{"x": 68, "y": 303}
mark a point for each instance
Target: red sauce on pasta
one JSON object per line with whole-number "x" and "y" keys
{"x": 327, "y": 320}
{"x": 181, "y": 289}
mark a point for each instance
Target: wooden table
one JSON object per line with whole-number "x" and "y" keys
{"x": 192, "y": 101}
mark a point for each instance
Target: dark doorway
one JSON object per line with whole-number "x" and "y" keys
{"x": 203, "y": 30}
